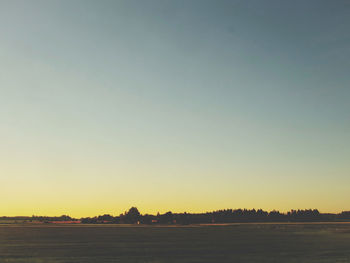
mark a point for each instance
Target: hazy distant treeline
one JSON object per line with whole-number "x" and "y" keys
{"x": 19, "y": 219}
{"x": 133, "y": 216}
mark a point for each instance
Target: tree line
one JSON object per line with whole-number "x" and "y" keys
{"x": 133, "y": 216}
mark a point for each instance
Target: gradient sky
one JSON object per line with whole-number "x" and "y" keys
{"x": 173, "y": 105}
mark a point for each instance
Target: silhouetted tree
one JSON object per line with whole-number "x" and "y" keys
{"x": 132, "y": 216}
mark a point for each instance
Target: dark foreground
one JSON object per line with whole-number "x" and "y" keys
{"x": 234, "y": 243}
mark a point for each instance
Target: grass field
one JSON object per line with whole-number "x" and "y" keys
{"x": 233, "y": 243}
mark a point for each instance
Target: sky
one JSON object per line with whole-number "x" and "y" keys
{"x": 173, "y": 105}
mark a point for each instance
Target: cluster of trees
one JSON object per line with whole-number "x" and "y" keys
{"x": 133, "y": 216}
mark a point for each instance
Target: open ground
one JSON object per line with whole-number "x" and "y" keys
{"x": 313, "y": 242}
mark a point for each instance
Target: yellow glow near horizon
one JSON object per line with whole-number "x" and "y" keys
{"x": 203, "y": 110}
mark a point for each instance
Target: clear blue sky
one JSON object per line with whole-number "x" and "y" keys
{"x": 173, "y": 105}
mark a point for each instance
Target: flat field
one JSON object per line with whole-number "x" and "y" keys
{"x": 319, "y": 243}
